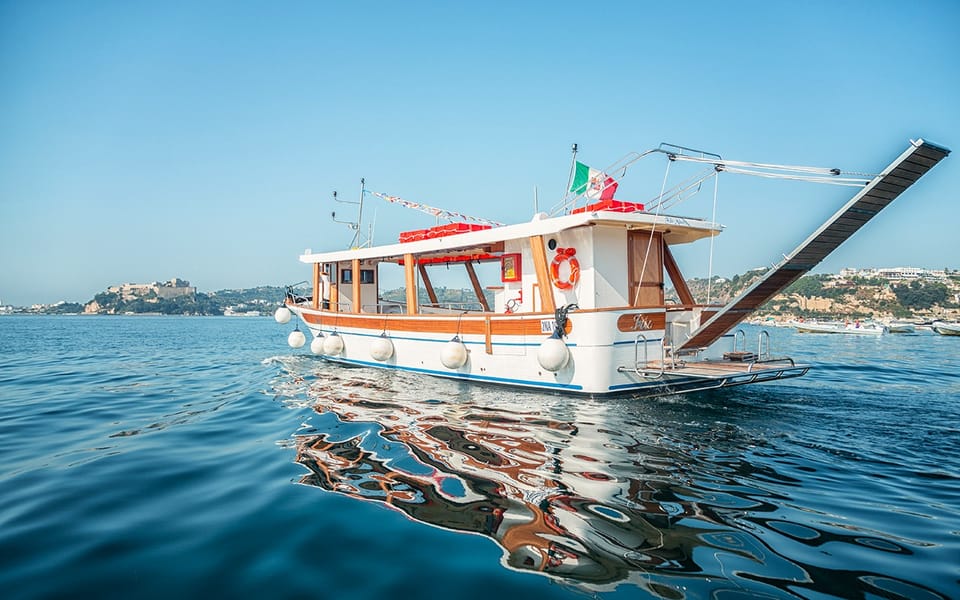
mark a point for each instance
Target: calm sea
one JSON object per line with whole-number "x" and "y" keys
{"x": 188, "y": 456}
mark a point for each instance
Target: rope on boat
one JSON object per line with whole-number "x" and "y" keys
{"x": 560, "y": 319}
{"x": 844, "y": 181}
{"x": 439, "y": 213}
{"x": 675, "y": 195}
{"x": 653, "y": 229}
{"x": 794, "y": 172}
{"x": 713, "y": 219}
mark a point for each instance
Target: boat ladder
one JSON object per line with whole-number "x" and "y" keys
{"x": 643, "y": 371}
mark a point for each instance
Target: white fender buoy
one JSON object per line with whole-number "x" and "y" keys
{"x": 382, "y": 348}
{"x": 333, "y": 344}
{"x": 296, "y": 339}
{"x": 454, "y": 354}
{"x": 282, "y": 315}
{"x": 316, "y": 346}
{"x": 553, "y": 354}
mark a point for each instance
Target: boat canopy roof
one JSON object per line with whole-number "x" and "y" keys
{"x": 676, "y": 230}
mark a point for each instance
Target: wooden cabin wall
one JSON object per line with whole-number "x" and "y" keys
{"x": 346, "y": 291}
{"x": 645, "y": 268}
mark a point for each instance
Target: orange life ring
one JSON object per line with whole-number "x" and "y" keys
{"x": 565, "y": 255}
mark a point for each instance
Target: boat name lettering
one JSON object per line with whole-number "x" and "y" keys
{"x": 547, "y": 325}
{"x": 641, "y": 323}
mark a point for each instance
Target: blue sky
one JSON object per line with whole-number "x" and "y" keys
{"x": 141, "y": 141}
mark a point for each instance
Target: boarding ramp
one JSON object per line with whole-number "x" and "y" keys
{"x": 919, "y": 158}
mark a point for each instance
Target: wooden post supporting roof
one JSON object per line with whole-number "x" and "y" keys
{"x": 427, "y": 284}
{"x": 317, "y": 291}
{"x": 335, "y": 288}
{"x": 477, "y": 288}
{"x": 411, "y": 281}
{"x": 487, "y": 335}
{"x": 676, "y": 277}
{"x": 356, "y": 284}
{"x": 539, "y": 253}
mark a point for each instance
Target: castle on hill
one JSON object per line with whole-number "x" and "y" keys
{"x": 166, "y": 290}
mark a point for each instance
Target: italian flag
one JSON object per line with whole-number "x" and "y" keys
{"x": 592, "y": 183}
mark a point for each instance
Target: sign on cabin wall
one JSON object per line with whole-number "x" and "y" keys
{"x": 642, "y": 321}
{"x": 510, "y": 268}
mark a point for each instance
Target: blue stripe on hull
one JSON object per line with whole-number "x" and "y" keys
{"x": 461, "y": 376}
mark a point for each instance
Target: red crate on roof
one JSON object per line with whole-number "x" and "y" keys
{"x": 453, "y": 229}
{"x": 441, "y": 231}
{"x": 414, "y": 235}
{"x": 612, "y": 205}
{"x": 434, "y": 260}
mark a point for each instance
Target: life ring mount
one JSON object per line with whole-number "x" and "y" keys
{"x": 565, "y": 255}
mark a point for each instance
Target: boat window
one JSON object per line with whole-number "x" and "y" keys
{"x": 346, "y": 275}
{"x": 366, "y": 276}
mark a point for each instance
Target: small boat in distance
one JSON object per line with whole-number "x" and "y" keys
{"x": 574, "y": 300}
{"x": 846, "y": 327}
{"x": 901, "y": 327}
{"x": 945, "y": 328}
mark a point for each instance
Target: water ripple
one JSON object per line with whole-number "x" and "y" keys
{"x": 155, "y": 456}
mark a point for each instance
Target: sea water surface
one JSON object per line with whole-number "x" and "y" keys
{"x": 190, "y": 456}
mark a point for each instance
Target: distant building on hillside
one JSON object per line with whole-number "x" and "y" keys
{"x": 174, "y": 288}
{"x": 893, "y": 273}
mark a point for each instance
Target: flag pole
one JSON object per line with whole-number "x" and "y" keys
{"x": 573, "y": 166}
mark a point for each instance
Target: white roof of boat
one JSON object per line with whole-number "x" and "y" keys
{"x": 677, "y": 230}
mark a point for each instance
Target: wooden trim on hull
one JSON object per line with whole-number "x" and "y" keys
{"x": 464, "y": 325}
{"x": 642, "y": 321}
{"x": 485, "y": 324}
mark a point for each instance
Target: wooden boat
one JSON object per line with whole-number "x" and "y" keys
{"x": 945, "y": 328}
{"x": 578, "y": 300}
{"x": 846, "y": 328}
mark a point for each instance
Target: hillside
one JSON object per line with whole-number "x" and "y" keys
{"x": 114, "y": 301}
{"x": 812, "y": 296}
{"x": 838, "y": 297}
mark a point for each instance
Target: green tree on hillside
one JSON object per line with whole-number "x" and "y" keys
{"x": 919, "y": 295}
{"x": 808, "y": 286}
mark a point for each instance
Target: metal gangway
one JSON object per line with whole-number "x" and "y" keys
{"x": 876, "y": 195}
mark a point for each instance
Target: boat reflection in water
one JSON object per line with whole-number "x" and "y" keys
{"x": 581, "y": 491}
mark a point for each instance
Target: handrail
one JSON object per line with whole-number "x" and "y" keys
{"x": 742, "y": 335}
{"x": 636, "y": 360}
{"x": 570, "y": 200}
{"x": 672, "y": 151}
{"x": 459, "y": 306}
{"x": 764, "y": 334}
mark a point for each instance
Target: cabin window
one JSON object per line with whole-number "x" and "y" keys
{"x": 346, "y": 275}
{"x": 366, "y": 276}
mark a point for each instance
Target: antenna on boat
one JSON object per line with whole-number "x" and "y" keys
{"x": 536, "y": 201}
{"x": 354, "y": 225}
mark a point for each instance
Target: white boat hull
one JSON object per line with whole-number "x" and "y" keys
{"x": 849, "y": 329}
{"x": 944, "y": 328}
{"x": 603, "y": 360}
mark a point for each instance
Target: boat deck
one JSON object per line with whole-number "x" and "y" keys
{"x": 683, "y": 376}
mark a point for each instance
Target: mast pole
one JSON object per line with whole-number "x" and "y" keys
{"x": 356, "y": 237}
